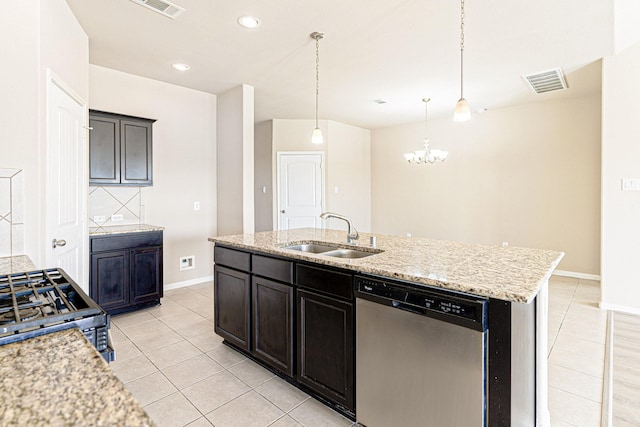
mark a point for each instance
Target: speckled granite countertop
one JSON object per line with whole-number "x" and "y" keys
{"x": 16, "y": 264}
{"x": 60, "y": 379}
{"x": 122, "y": 229}
{"x": 508, "y": 273}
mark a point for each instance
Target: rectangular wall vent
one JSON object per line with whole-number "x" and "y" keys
{"x": 546, "y": 81}
{"x": 163, "y": 7}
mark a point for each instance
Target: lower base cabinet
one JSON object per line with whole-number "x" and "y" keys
{"x": 326, "y": 347}
{"x": 272, "y": 337}
{"x": 231, "y": 305}
{"x": 126, "y": 271}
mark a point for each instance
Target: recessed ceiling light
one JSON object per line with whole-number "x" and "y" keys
{"x": 181, "y": 67}
{"x": 250, "y": 22}
{"x": 379, "y": 101}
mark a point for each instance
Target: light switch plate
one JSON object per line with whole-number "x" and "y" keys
{"x": 630, "y": 184}
{"x": 117, "y": 217}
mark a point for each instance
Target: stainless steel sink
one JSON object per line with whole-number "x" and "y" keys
{"x": 311, "y": 247}
{"x": 334, "y": 251}
{"x": 349, "y": 253}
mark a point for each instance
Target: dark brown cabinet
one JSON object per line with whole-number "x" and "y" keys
{"x": 326, "y": 340}
{"x": 126, "y": 271}
{"x": 273, "y": 323}
{"x": 120, "y": 149}
{"x": 231, "y": 305}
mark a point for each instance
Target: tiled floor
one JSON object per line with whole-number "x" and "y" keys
{"x": 626, "y": 377}
{"x": 180, "y": 371}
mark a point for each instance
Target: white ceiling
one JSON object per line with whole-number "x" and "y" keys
{"x": 397, "y": 50}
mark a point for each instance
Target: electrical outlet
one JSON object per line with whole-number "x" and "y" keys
{"x": 196, "y": 206}
{"x": 187, "y": 262}
{"x": 99, "y": 219}
{"x": 505, "y": 244}
{"x": 117, "y": 217}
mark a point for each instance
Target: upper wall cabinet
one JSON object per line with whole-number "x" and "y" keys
{"x": 120, "y": 149}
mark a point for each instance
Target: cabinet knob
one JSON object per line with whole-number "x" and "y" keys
{"x": 55, "y": 243}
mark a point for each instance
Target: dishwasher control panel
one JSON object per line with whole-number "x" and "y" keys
{"x": 467, "y": 309}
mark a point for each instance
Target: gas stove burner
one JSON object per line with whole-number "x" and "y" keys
{"x": 25, "y": 314}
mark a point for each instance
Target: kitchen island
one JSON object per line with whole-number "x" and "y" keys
{"x": 60, "y": 379}
{"x": 512, "y": 281}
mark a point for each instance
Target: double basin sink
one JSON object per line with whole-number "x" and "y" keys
{"x": 332, "y": 250}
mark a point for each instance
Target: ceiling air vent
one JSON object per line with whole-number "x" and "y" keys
{"x": 546, "y": 81}
{"x": 163, "y": 7}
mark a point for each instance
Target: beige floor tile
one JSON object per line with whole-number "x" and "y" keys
{"x": 200, "y": 422}
{"x": 131, "y": 369}
{"x": 572, "y": 409}
{"x": 575, "y": 382}
{"x": 225, "y": 356}
{"x": 135, "y": 319}
{"x": 192, "y": 371}
{"x": 151, "y": 388}
{"x": 586, "y": 363}
{"x": 282, "y": 394}
{"x": 150, "y": 327}
{"x": 162, "y": 338}
{"x": 250, "y": 373}
{"x": 125, "y": 350}
{"x": 173, "y": 410}
{"x": 556, "y": 423}
{"x": 199, "y": 327}
{"x": 116, "y": 334}
{"x": 312, "y": 413}
{"x": 215, "y": 391}
{"x": 207, "y": 341}
{"x": 173, "y": 354}
{"x": 248, "y": 410}
{"x": 579, "y": 346}
{"x": 169, "y": 309}
{"x": 286, "y": 421}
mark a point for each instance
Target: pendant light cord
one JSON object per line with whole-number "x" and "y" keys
{"x": 318, "y": 37}
{"x": 461, "y": 49}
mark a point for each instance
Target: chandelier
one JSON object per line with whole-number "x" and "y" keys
{"x": 426, "y": 155}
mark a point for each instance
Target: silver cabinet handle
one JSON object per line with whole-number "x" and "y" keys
{"x": 56, "y": 242}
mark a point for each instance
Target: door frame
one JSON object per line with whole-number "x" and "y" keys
{"x": 51, "y": 80}
{"x": 276, "y": 194}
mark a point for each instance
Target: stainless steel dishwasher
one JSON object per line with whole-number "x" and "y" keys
{"x": 420, "y": 356}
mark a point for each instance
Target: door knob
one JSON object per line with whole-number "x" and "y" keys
{"x": 282, "y": 211}
{"x": 55, "y": 243}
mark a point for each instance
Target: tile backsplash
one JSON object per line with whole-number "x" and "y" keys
{"x": 112, "y": 202}
{"x": 11, "y": 212}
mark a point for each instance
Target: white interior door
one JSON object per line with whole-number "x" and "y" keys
{"x": 300, "y": 189}
{"x": 66, "y": 186}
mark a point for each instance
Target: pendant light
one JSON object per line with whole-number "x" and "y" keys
{"x": 426, "y": 155}
{"x": 316, "y": 137}
{"x": 462, "y": 112}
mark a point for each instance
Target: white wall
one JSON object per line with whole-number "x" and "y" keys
{"x": 235, "y": 161}
{"x": 620, "y": 159}
{"x": 184, "y": 159}
{"x": 36, "y": 35}
{"x": 348, "y": 157}
{"x": 527, "y": 175}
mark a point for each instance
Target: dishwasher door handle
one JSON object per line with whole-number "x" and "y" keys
{"x": 406, "y": 307}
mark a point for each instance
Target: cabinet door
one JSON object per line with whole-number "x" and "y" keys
{"x": 104, "y": 150}
{"x": 136, "y": 153}
{"x": 231, "y": 305}
{"x": 326, "y": 347}
{"x": 110, "y": 279}
{"x": 272, "y": 338}
{"x": 146, "y": 274}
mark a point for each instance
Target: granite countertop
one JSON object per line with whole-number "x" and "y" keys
{"x": 16, "y": 264}
{"x": 508, "y": 273}
{"x": 123, "y": 229}
{"x": 60, "y": 379}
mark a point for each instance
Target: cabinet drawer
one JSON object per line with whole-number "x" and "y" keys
{"x": 272, "y": 268}
{"x": 329, "y": 281}
{"x": 126, "y": 241}
{"x": 232, "y": 258}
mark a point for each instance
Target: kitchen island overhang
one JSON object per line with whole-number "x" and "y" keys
{"x": 514, "y": 280}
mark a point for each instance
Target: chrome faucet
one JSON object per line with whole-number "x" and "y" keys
{"x": 352, "y": 233}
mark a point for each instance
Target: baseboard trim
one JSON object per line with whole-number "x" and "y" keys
{"x": 184, "y": 283}
{"x": 577, "y": 275}
{"x": 620, "y": 308}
